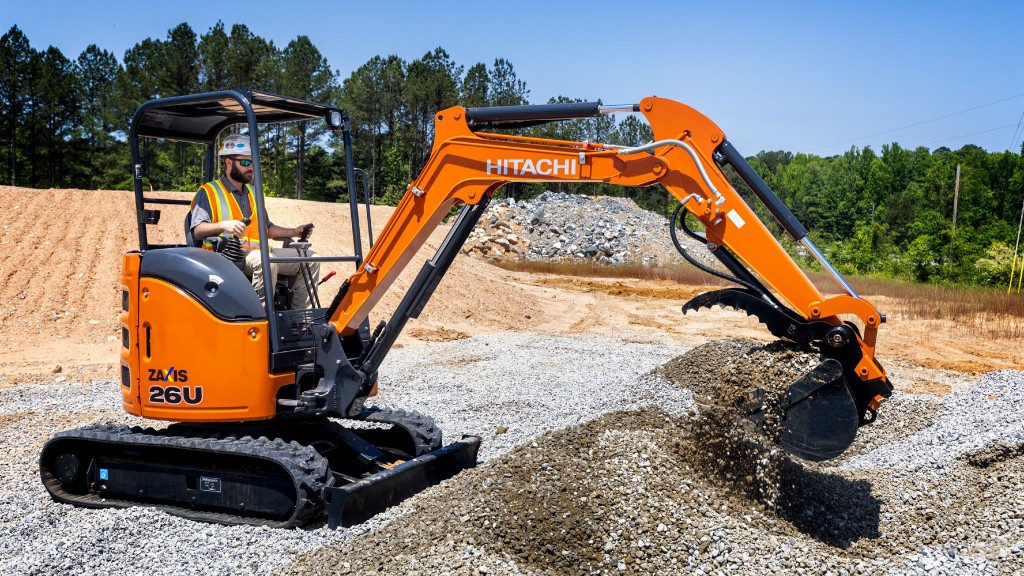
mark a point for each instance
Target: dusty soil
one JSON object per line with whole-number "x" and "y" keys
{"x": 60, "y": 290}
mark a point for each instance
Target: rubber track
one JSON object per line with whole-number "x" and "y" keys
{"x": 421, "y": 428}
{"x": 306, "y": 467}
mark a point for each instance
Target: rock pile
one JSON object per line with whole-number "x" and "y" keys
{"x": 569, "y": 227}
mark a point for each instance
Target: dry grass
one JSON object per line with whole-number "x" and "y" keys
{"x": 979, "y": 311}
{"x": 681, "y": 274}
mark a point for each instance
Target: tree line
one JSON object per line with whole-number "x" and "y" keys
{"x": 65, "y": 121}
{"x": 907, "y": 213}
{"x": 63, "y": 124}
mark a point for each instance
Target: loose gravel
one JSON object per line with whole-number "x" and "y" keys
{"x": 588, "y": 466}
{"x": 470, "y": 386}
{"x": 670, "y": 491}
{"x": 571, "y": 227}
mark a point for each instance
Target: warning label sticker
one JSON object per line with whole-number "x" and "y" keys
{"x": 209, "y": 484}
{"x": 736, "y": 219}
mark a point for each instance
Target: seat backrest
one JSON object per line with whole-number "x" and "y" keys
{"x": 190, "y": 238}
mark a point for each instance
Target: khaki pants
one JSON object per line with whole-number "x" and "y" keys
{"x": 254, "y": 269}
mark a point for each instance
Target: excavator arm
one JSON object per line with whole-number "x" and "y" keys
{"x": 467, "y": 165}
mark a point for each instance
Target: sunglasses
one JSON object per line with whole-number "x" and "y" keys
{"x": 244, "y": 163}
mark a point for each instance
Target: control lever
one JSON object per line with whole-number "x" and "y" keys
{"x": 232, "y": 249}
{"x": 302, "y": 247}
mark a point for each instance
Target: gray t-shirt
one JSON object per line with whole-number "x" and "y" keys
{"x": 202, "y": 210}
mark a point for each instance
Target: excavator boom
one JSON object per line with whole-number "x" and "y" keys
{"x": 467, "y": 165}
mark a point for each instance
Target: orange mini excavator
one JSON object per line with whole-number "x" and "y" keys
{"x": 260, "y": 395}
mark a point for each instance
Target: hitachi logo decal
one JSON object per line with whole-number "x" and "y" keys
{"x": 542, "y": 167}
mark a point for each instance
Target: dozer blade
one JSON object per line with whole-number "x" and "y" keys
{"x": 820, "y": 414}
{"x": 356, "y": 502}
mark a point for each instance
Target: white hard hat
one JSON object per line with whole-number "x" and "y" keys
{"x": 236, "y": 145}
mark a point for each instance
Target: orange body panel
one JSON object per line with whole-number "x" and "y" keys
{"x": 188, "y": 365}
{"x": 129, "y": 320}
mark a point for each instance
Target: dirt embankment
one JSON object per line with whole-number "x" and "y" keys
{"x": 60, "y": 295}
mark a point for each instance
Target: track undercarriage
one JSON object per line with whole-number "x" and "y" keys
{"x": 277, "y": 474}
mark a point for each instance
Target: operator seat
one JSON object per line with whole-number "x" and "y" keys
{"x": 193, "y": 242}
{"x": 190, "y": 237}
{"x": 285, "y": 284}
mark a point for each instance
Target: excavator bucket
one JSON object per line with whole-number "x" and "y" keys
{"x": 814, "y": 418}
{"x": 820, "y": 419}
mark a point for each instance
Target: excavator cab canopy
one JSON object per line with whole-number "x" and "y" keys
{"x": 202, "y": 119}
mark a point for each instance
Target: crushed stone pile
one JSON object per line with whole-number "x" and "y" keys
{"x": 654, "y": 492}
{"x": 571, "y": 227}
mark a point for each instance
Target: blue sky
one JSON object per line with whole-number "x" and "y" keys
{"x": 815, "y": 77}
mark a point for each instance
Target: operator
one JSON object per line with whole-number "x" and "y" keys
{"x": 219, "y": 208}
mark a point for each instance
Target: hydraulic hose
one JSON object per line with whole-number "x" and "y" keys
{"x": 678, "y": 215}
{"x": 693, "y": 155}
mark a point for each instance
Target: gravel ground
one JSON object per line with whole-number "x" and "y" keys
{"x": 600, "y": 469}
{"x": 469, "y": 386}
{"x": 660, "y": 491}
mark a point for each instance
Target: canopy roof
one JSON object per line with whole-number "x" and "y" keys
{"x": 201, "y": 117}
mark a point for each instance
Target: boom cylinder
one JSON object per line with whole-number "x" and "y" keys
{"x": 539, "y": 113}
{"x": 778, "y": 208}
{"x": 758, "y": 186}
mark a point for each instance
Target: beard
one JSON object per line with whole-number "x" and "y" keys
{"x": 240, "y": 175}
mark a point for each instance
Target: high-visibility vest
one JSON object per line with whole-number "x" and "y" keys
{"x": 223, "y": 206}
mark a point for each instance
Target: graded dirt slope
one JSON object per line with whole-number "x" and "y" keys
{"x": 60, "y": 286}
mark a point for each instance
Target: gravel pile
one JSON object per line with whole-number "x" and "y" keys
{"x": 984, "y": 415}
{"x": 595, "y": 462}
{"x": 654, "y": 491}
{"x": 570, "y": 227}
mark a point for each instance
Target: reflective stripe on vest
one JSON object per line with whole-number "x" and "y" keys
{"x": 223, "y": 206}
